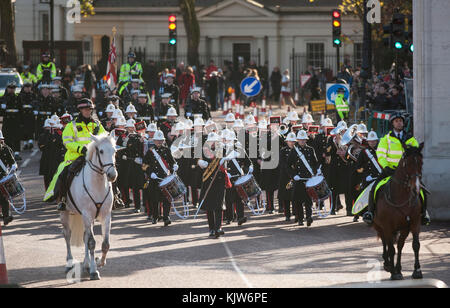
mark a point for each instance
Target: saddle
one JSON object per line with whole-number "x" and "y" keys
{"x": 67, "y": 175}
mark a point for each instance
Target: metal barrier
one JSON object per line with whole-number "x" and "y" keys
{"x": 379, "y": 121}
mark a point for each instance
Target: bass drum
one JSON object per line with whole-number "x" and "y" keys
{"x": 10, "y": 187}
{"x": 247, "y": 187}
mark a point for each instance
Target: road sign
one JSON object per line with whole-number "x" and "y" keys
{"x": 250, "y": 86}
{"x": 332, "y": 92}
{"x": 304, "y": 79}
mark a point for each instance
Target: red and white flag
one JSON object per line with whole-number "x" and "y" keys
{"x": 111, "y": 73}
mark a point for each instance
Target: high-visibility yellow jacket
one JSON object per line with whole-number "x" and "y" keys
{"x": 127, "y": 70}
{"x": 49, "y": 66}
{"x": 390, "y": 150}
{"x": 341, "y": 106}
{"x": 31, "y": 78}
{"x": 76, "y": 135}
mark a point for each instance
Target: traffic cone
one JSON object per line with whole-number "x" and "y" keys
{"x": 153, "y": 98}
{"x": 263, "y": 105}
{"x": 242, "y": 111}
{"x": 255, "y": 113}
{"x": 237, "y": 114}
{"x": 3, "y": 271}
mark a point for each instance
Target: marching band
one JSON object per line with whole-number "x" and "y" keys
{"x": 219, "y": 170}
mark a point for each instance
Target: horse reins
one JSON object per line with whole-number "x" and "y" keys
{"x": 99, "y": 170}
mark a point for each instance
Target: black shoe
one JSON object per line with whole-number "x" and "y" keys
{"x": 288, "y": 219}
{"x": 7, "y": 220}
{"x": 339, "y": 207}
{"x": 211, "y": 233}
{"x": 17, "y": 157}
{"x": 228, "y": 222}
{"x": 167, "y": 222}
{"x": 127, "y": 205}
{"x": 270, "y": 212}
{"x": 137, "y": 211}
{"x": 220, "y": 231}
{"x": 300, "y": 223}
{"x": 309, "y": 222}
{"x": 216, "y": 234}
{"x": 368, "y": 218}
{"x": 332, "y": 212}
{"x": 154, "y": 221}
{"x": 61, "y": 206}
{"x": 241, "y": 221}
{"x": 356, "y": 218}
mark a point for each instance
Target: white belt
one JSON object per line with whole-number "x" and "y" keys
{"x": 373, "y": 160}
{"x": 305, "y": 162}
{"x": 158, "y": 158}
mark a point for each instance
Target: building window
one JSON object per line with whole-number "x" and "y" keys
{"x": 358, "y": 54}
{"x": 45, "y": 26}
{"x": 315, "y": 54}
{"x": 163, "y": 51}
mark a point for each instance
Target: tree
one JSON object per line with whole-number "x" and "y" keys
{"x": 7, "y": 32}
{"x": 382, "y": 56}
{"x": 192, "y": 27}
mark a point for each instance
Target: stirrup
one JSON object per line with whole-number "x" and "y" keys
{"x": 368, "y": 218}
{"x": 62, "y": 206}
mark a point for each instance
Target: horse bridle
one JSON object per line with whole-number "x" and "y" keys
{"x": 100, "y": 170}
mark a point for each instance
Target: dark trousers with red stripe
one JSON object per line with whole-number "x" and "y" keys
{"x": 214, "y": 219}
{"x": 269, "y": 198}
{"x": 285, "y": 205}
{"x": 136, "y": 198}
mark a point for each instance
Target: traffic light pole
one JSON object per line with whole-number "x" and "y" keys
{"x": 337, "y": 60}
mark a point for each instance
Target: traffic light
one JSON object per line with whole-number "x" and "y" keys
{"x": 398, "y": 31}
{"x": 172, "y": 30}
{"x": 336, "y": 25}
{"x": 409, "y": 34}
{"x": 387, "y": 35}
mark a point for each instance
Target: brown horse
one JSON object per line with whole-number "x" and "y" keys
{"x": 398, "y": 212}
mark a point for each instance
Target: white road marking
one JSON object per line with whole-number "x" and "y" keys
{"x": 34, "y": 152}
{"x": 25, "y": 163}
{"x": 233, "y": 262}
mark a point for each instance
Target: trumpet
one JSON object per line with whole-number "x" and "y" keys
{"x": 283, "y": 130}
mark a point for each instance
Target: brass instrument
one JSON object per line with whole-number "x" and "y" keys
{"x": 352, "y": 143}
{"x": 283, "y": 129}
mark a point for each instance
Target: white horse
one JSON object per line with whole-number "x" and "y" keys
{"x": 91, "y": 198}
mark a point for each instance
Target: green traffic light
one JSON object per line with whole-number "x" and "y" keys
{"x": 337, "y": 42}
{"x": 398, "y": 45}
{"x": 411, "y": 48}
{"x": 172, "y": 41}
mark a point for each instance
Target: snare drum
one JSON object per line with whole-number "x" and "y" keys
{"x": 173, "y": 188}
{"x": 317, "y": 188}
{"x": 10, "y": 187}
{"x": 247, "y": 188}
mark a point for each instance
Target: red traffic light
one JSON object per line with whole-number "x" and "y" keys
{"x": 172, "y": 18}
{"x": 336, "y": 14}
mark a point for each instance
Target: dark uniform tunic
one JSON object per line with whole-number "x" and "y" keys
{"x": 151, "y": 165}
{"x": 364, "y": 167}
{"x": 297, "y": 167}
{"x": 12, "y": 121}
{"x": 231, "y": 195}
{"x": 44, "y": 145}
{"x": 144, "y": 113}
{"x": 7, "y": 157}
{"x": 134, "y": 177}
{"x": 198, "y": 107}
{"x": 175, "y": 91}
{"x": 269, "y": 168}
{"x": 27, "y": 107}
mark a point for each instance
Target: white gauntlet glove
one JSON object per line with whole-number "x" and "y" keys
{"x": 202, "y": 164}
{"x": 175, "y": 168}
{"x": 138, "y": 160}
{"x": 296, "y": 178}
{"x": 250, "y": 170}
{"x": 153, "y": 176}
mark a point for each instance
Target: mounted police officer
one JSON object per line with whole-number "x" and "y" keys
{"x": 46, "y": 70}
{"x": 389, "y": 152}
{"x": 132, "y": 67}
{"x": 76, "y": 136}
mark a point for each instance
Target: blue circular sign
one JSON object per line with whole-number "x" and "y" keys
{"x": 332, "y": 92}
{"x": 250, "y": 86}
